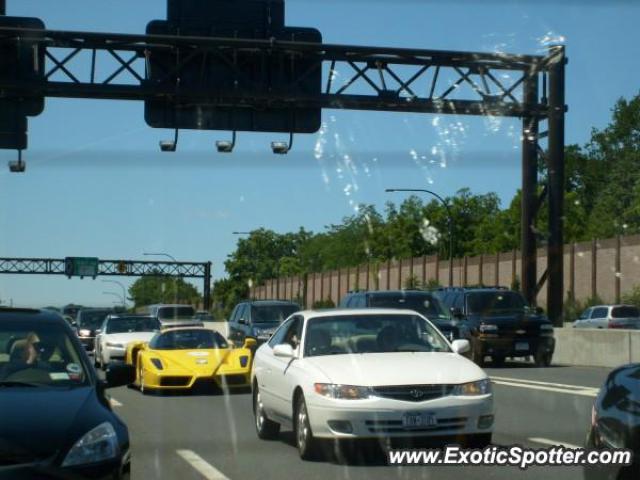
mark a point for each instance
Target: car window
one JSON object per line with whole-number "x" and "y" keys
{"x": 585, "y": 315}
{"x": 271, "y": 313}
{"x": 486, "y": 303}
{"x": 92, "y": 318}
{"x": 129, "y": 325}
{"x": 625, "y": 312}
{"x": 599, "y": 312}
{"x": 165, "y": 313}
{"x": 234, "y": 314}
{"x": 425, "y": 304}
{"x": 183, "y": 339}
{"x": 278, "y": 336}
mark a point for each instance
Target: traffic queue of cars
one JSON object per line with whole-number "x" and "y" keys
{"x": 336, "y": 374}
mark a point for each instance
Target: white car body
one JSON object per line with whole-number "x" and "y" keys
{"x": 113, "y": 346}
{"x": 279, "y": 380}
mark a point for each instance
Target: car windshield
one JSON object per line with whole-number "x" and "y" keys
{"x": 42, "y": 354}
{"x": 165, "y": 313}
{"x": 625, "y": 312}
{"x": 132, "y": 324}
{"x": 426, "y": 304}
{"x": 92, "y": 318}
{"x": 344, "y": 334}
{"x": 271, "y": 313}
{"x": 484, "y": 303}
{"x": 188, "y": 340}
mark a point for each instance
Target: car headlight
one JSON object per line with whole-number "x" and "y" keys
{"x": 97, "y": 445}
{"x": 480, "y": 387}
{"x": 157, "y": 363}
{"x": 83, "y": 332}
{"x": 115, "y": 345}
{"x": 488, "y": 328}
{"x": 348, "y": 392}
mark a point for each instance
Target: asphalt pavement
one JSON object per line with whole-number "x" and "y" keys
{"x": 212, "y": 436}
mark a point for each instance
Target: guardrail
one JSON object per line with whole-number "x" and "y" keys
{"x": 596, "y": 347}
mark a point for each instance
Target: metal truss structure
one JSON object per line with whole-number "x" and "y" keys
{"x": 121, "y": 268}
{"x": 529, "y": 87}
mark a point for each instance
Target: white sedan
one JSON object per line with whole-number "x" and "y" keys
{"x": 117, "y": 331}
{"x": 368, "y": 373}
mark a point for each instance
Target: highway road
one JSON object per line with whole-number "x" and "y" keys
{"x": 212, "y": 436}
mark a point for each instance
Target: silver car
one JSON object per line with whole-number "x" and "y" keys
{"x": 610, "y": 316}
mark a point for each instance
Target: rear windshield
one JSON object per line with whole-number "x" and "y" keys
{"x": 494, "y": 302}
{"x": 92, "y": 318}
{"x": 426, "y": 305}
{"x": 272, "y": 313}
{"x": 625, "y": 312}
{"x": 176, "y": 312}
{"x": 132, "y": 324}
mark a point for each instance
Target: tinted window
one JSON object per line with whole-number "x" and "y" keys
{"x": 625, "y": 312}
{"x": 188, "y": 340}
{"x": 600, "y": 312}
{"x": 425, "y": 304}
{"x": 234, "y": 314}
{"x": 176, "y": 312}
{"x": 272, "y": 313}
{"x": 92, "y": 318}
{"x": 343, "y": 334}
{"x": 132, "y": 324}
{"x": 585, "y": 314}
{"x": 484, "y": 303}
{"x": 39, "y": 353}
{"x": 278, "y": 337}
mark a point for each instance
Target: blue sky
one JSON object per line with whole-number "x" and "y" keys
{"x": 96, "y": 184}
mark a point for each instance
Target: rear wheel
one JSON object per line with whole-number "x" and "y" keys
{"x": 307, "y": 444}
{"x": 265, "y": 428}
{"x": 498, "y": 360}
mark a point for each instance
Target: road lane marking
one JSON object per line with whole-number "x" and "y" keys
{"x": 547, "y": 441}
{"x": 546, "y": 386}
{"x": 114, "y": 402}
{"x": 207, "y": 470}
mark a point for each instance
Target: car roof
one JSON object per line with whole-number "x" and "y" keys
{"x": 171, "y": 329}
{"x": 131, "y": 315}
{"x": 48, "y": 316}
{"x": 271, "y": 302}
{"x": 333, "y": 312}
{"x": 393, "y": 293}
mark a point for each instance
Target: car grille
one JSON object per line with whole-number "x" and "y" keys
{"x": 413, "y": 393}
{"x": 174, "y": 381}
{"x": 394, "y": 426}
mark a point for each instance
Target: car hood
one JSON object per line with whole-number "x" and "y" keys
{"x": 192, "y": 361}
{"x": 36, "y": 422}
{"x": 265, "y": 325}
{"x": 125, "y": 338}
{"x": 396, "y": 368}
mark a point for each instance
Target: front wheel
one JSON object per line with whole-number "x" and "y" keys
{"x": 265, "y": 428}
{"x": 542, "y": 358}
{"x": 307, "y": 444}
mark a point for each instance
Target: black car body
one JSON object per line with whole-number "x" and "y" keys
{"x": 47, "y": 406}
{"x": 88, "y": 320}
{"x": 420, "y": 301}
{"x": 615, "y": 422}
{"x": 498, "y": 323}
{"x": 258, "y": 319}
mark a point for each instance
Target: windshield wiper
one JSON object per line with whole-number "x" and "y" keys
{"x": 14, "y": 383}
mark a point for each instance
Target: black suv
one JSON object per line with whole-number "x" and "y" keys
{"x": 88, "y": 320}
{"x": 500, "y": 324}
{"x": 258, "y": 319}
{"x": 423, "y": 302}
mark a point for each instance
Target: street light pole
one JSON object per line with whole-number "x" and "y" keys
{"x": 162, "y": 254}
{"x": 449, "y": 221}
{"x": 124, "y": 292}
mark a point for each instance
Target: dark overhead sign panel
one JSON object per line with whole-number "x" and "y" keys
{"x": 226, "y": 77}
{"x": 22, "y": 60}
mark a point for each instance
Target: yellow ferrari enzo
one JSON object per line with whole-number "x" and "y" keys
{"x": 179, "y": 358}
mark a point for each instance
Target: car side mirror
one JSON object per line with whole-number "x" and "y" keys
{"x": 250, "y": 343}
{"x": 242, "y": 321}
{"x": 460, "y": 346}
{"x": 283, "y": 350}
{"x": 120, "y": 375}
{"x": 456, "y": 312}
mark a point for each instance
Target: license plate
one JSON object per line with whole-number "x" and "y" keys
{"x": 418, "y": 420}
{"x": 522, "y": 346}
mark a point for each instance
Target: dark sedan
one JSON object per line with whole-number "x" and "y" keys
{"x": 615, "y": 422}
{"x": 57, "y": 421}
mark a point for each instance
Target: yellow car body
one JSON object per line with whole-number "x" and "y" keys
{"x": 182, "y": 368}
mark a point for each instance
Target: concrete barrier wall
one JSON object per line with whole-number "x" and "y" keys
{"x": 596, "y": 348}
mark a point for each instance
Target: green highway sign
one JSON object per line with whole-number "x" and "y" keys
{"x": 81, "y": 267}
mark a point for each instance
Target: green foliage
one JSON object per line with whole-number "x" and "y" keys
{"x": 632, "y": 297}
{"x": 326, "y": 303}
{"x": 573, "y": 308}
{"x": 412, "y": 283}
{"x": 515, "y": 284}
{"x": 432, "y": 283}
{"x": 163, "y": 289}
